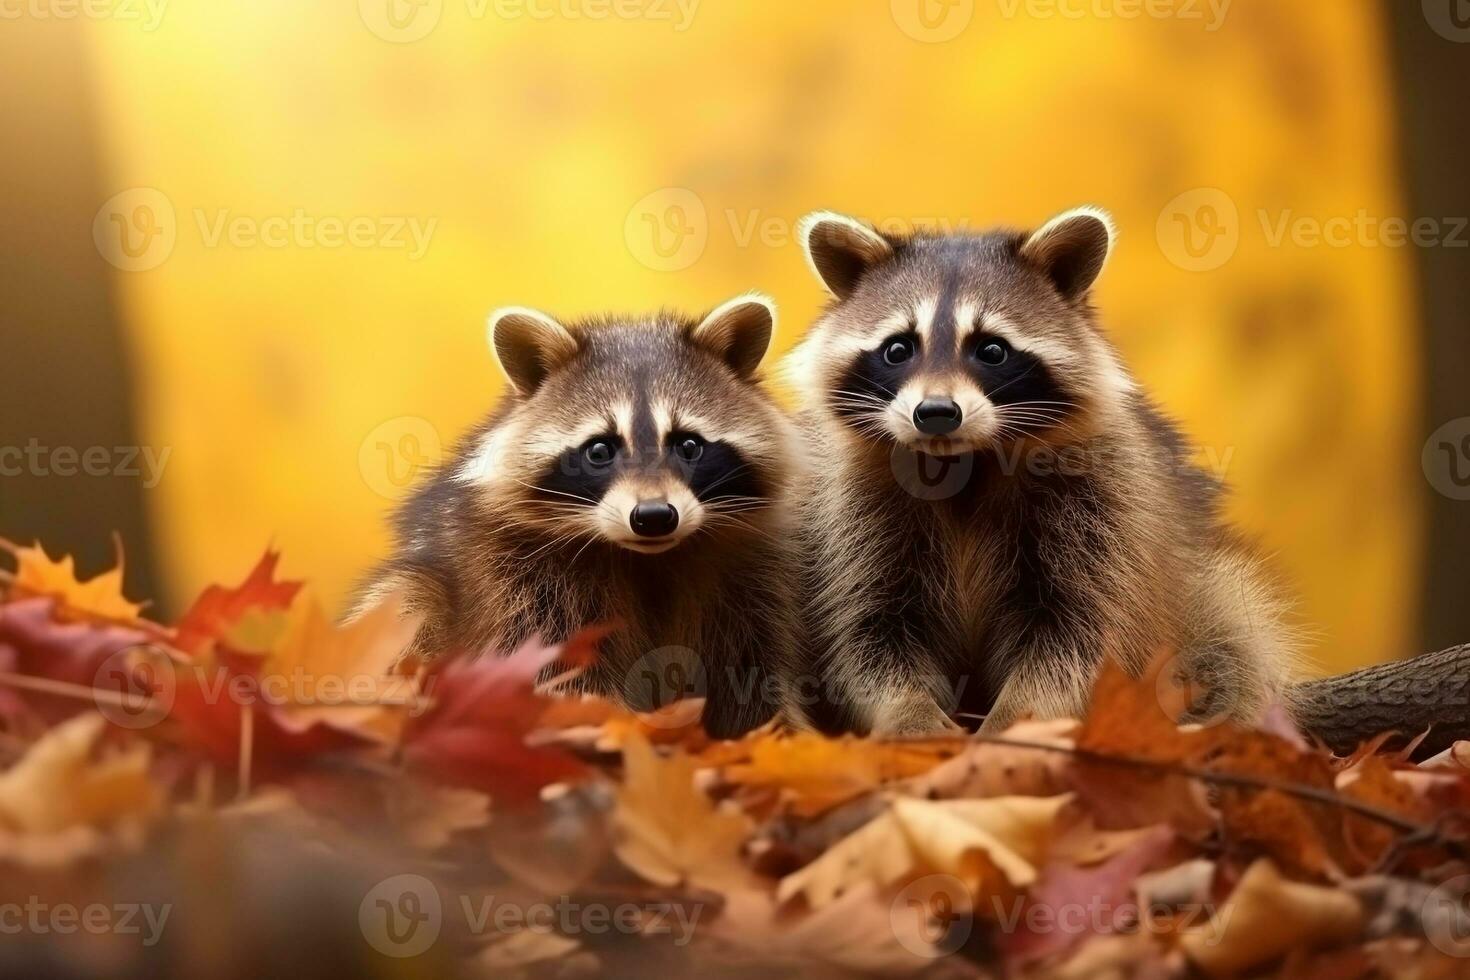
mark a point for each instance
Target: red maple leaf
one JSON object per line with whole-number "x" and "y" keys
{"x": 36, "y": 644}
{"x": 209, "y": 705}
{"x": 218, "y": 608}
{"x": 483, "y": 709}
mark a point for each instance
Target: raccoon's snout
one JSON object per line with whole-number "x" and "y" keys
{"x": 654, "y": 519}
{"x": 938, "y": 416}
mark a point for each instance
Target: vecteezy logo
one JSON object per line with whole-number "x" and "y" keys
{"x": 667, "y": 230}
{"x": 931, "y": 477}
{"x": 1450, "y": 19}
{"x": 931, "y": 917}
{"x": 136, "y": 229}
{"x": 664, "y": 677}
{"x": 401, "y": 21}
{"x": 135, "y": 687}
{"x": 1446, "y": 917}
{"x": 1199, "y": 230}
{"x": 396, "y": 454}
{"x": 932, "y": 21}
{"x": 1446, "y": 459}
{"x": 401, "y": 916}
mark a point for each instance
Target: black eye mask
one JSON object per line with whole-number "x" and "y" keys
{"x": 721, "y": 471}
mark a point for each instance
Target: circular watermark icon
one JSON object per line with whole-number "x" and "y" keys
{"x": 1446, "y": 917}
{"x": 136, "y": 229}
{"x": 931, "y": 477}
{"x": 1450, "y": 19}
{"x": 1446, "y": 459}
{"x": 1199, "y": 230}
{"x": 135, "y": 687}
{"x": 664, "y": 677}
{"x": 667, "y": 230}
{"x": 401, "y": 21}
{"x": 932, "y": 21}
{"x": 397, "y": 453}
{"x": 401, "y": 916}
{"x": 931, "y": 917}
{"x": 1184, "y": 696}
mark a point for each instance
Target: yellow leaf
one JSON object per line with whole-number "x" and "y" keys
{"x": 1266, "y": 917}
{"x": 992, "y": 846}
{"x": 671, "y": 833}
{"x": 817, "y": 773}
{"x": 56, "y": 801}
{"x": 340, "y": 675}
{"x": 37, "y": 574}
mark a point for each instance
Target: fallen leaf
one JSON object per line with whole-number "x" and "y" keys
{"x": 991, "y": 846}
{"x": 37, "y": 574}
{"x": 1266, "y": 917}
{"x": 483, "y": 709}
{"x": 1070, "y": 903}
{"x": 1127, "y": 957}
{"x": 862, "y": 930}
{"x": 1457, "y": 756}
{"x": 814, "y": 773}
{"x": 991, "y": 769}
{"x": 86, "y": 655}
{"x": 671, "y": 833}
{"x": 60, "y": 801}
{"x": 218, "y": 704}
{"x": 341, "y": 676}
{"x": 218, "y": 609}
{"x": 1184, "y": 886}
{"x": 1128, "y": 719}
{"x": 1374, "y": 782}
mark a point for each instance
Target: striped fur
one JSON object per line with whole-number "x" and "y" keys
{"x": 1061, "y": 520}
{"x": 519, "y": 535}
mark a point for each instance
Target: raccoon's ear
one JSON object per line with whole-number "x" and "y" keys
{"x": 840, "y": 249}
{"x": 529, "y": 345}
{"x": 1072, "y": 249}
{"x": 738, "y": 332}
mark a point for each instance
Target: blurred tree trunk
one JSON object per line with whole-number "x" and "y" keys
{"x": 66, "y": 366}
{"x": 1434, "y": 78}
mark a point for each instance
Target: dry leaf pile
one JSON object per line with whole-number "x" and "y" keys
{"x": 255, "y": 791}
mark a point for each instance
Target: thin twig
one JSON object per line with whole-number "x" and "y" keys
{"x": 80, "y": 692}
{"x": 1299, "y": 790}
{"x": 247, "y": 749}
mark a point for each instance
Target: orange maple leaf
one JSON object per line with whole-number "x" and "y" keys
{"x": 37, "y": 574}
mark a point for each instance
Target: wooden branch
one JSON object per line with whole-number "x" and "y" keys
{"x": 1407, "y": 696}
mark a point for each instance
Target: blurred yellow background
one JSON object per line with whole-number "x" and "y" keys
{"x": 318, "y": 204}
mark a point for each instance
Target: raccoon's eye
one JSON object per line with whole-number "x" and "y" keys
{"x": 688, "y": 448}
{"x": 896, "y": 350}
{"x": 992, "y": 352}
{"x": 599, "y": 452}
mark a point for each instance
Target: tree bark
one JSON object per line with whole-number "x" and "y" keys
{"x": 1408, "y": 697}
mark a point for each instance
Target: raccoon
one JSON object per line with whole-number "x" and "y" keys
{"x": 997, "y": 506}
{"x": 635, "y": 473}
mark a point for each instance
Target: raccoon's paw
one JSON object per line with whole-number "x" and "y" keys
{"x": 912, "y": 713}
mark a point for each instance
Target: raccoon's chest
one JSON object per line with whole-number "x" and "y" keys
{"x": 966, "y": 581}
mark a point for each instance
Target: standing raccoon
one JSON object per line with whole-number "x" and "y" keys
{"x": 635, "y": 473}
{"x": 998, "y": 505}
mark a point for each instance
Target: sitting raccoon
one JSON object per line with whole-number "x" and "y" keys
{"x": 998, "y": 506}
{"x": 634, "y": 474}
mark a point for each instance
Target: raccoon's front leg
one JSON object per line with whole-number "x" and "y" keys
{"x": 748, "y": 645}
{"x": 1048, "y": 684}
{"x": 906, "y": 708}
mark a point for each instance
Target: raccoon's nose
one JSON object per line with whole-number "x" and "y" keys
{"x": 654, "y": 520}
{"x": 937, "y": 416}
